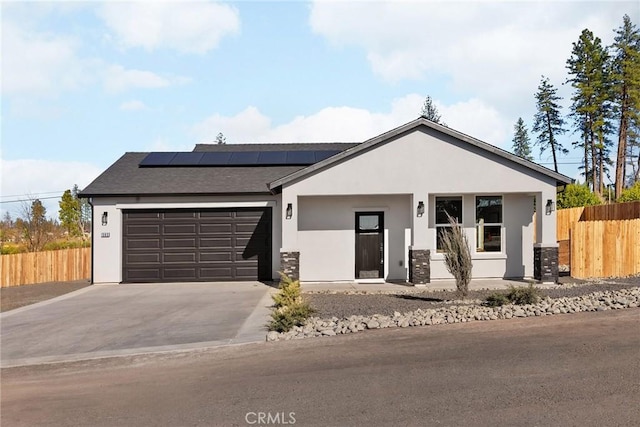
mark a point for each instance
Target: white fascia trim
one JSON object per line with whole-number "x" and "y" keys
{"x": 197, "y": 205}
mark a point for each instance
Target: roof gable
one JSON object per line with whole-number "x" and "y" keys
{"x": 409, "y": 127}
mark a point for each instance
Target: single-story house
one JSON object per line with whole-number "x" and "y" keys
{"x": 369, "y": 211}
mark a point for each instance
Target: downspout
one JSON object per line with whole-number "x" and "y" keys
{"x": 92, "y": 235}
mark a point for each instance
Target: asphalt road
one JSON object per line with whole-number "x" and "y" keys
{"x": 574, "y": 370}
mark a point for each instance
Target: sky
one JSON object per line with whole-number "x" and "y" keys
{"x": 84, "y": 82}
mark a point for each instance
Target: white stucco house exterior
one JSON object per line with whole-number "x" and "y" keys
{"x": 324, "y": 212}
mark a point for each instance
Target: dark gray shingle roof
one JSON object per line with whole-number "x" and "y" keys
{"x": 307, "y": 146}
{"x": 126, "y": 178}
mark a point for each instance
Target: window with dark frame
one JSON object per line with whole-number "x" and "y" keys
{"x": 451, "y": 205}
{"x": 489, "y": 224}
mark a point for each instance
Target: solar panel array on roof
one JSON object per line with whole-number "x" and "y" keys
{"x": 236, "y": 158}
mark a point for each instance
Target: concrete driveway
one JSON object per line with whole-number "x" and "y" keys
{"x": 107, "y": 320}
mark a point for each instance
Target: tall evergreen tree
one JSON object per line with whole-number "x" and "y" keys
{"x": 626, "y": 92}
{"x": 430, "y": 111}
{"x": 548, "y": 122}
{"x": 590, "y": 74}
{"x": 521, "y": 141}
{"x": 69, "y": 213}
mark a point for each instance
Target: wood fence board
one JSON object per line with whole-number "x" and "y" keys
{"x": 47, "y": 266}
{"x": 605, "y": 248}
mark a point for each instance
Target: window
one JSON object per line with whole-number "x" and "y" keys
{"x": 444, "y": 206}
{"x": 488, "y": 223}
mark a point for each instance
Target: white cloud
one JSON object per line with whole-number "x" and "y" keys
{"x": 494, "y": 50}
{"x": 133, "y": 105}
{"x": 345, "y": 124}
{"x": 119, "y": 79}
{"x": 42, "y": 178}
{"x": 194, "y": 26}
{"x": 35, "y": 62}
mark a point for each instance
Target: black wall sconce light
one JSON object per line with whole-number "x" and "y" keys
{"x": 105, "y": 218}
{"x": 549, "y": 207}
{"x": 420, "y": 209}
{"x": 289, "y": 213}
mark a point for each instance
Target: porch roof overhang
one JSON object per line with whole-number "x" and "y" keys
{"x": 276, "y": 186}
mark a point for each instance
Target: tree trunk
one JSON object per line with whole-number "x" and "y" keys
{"x": 622, "y": 147}
{"x": 551, "y": 143}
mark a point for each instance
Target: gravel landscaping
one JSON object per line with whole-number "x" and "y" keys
{"x": 342, "y": 313}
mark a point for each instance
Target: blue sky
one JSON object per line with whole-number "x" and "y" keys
{"x": 84, "y": 82}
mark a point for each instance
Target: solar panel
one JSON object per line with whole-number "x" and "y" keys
{"x": 157, "y": 159}
{"x": 186, "y": 159}
{"x": 272, "y": 158}
{"x": 244, "y": 158}
{"x": 321, "y": 155}
{"x": 214, "y": 159}
{"x": 300, "y": 158}
{"x": 237, "y": 158}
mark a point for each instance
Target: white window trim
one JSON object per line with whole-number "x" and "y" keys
{"x": 488, "y": 254}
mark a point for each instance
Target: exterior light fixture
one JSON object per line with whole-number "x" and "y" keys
{"x": 549, "y": 207}
{"x": 289, "y": 213}
{"x": 420, "y": 209}
{"x": 105, "y": 218}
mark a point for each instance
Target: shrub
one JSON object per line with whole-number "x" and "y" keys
{"x": 10, "y": 249}
{"x": 457, "y": 256}
{"x": 523, "y": 295}
{"x": 290, "y": 308}
{"x": 630, "y": 194}
{"x": 496, "y": 300}
{"x": 575, "y": 195}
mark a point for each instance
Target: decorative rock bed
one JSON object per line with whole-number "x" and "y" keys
{"x": 597, "y": 301}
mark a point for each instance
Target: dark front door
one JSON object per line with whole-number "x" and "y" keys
{"x": 369, "y": 245}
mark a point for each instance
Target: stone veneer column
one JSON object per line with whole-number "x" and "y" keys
{"x": 545, "y": 263}
{"x": 290, "y": 264}
{"x": 420, "y": 266}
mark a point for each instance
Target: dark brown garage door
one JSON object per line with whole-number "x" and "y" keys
{"x": 196, "y": 245}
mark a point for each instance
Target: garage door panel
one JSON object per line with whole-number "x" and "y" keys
{"x": 197, "y": 245}
{"x": 133, "y": 244}
{"x": 177, "y": 258}
{"x": 182, "y": 229}
{"x": 142, "y": 230}
{"x": 222, "y": 228}
{"x": 179, "y": 273}
{"x": 179, "y": 214}
{"x": 143, "y": 258}
{"x": 217, "y": 243}
{"x": 210, "y": 257}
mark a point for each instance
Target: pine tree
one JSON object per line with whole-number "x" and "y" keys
{"x": 548, "y": 122}
{"x": 69, "y": 213}
{"x": 430, "y": 111}
{"x": 591, "y": 107}
{"x": 521, "y": 142}
{"x": 626, "y": 92}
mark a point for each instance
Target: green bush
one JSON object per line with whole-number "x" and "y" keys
{"x": 290, "y": 308}
{"x": 496, "y": 300}
{"x": 575, "y": 195}
{"x": 66, "y": 244}
{"x": 630, "y": 194}
{"x": 10, "y": 249}
{"x": 522, "y": 295}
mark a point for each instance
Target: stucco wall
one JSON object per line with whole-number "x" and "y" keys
{"x": 326, "y": 236}
{"x": 107, "y": 251}
{"x": 420, "y": 165}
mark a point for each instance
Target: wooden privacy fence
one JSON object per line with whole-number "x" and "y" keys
{"x": 48, "y": 266}
{"x": 605, "y": 248}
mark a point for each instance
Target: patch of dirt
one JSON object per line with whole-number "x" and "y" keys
{"x": 345, "y": 305}
{"x": 19, "y": 296}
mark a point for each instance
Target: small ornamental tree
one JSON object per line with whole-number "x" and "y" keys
{"x": 290, "y": 308}
{"x": 457, "y": 255}
{"x": 575, "y": 195}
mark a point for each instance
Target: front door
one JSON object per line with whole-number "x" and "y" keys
{"x": 369, "y": 245}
